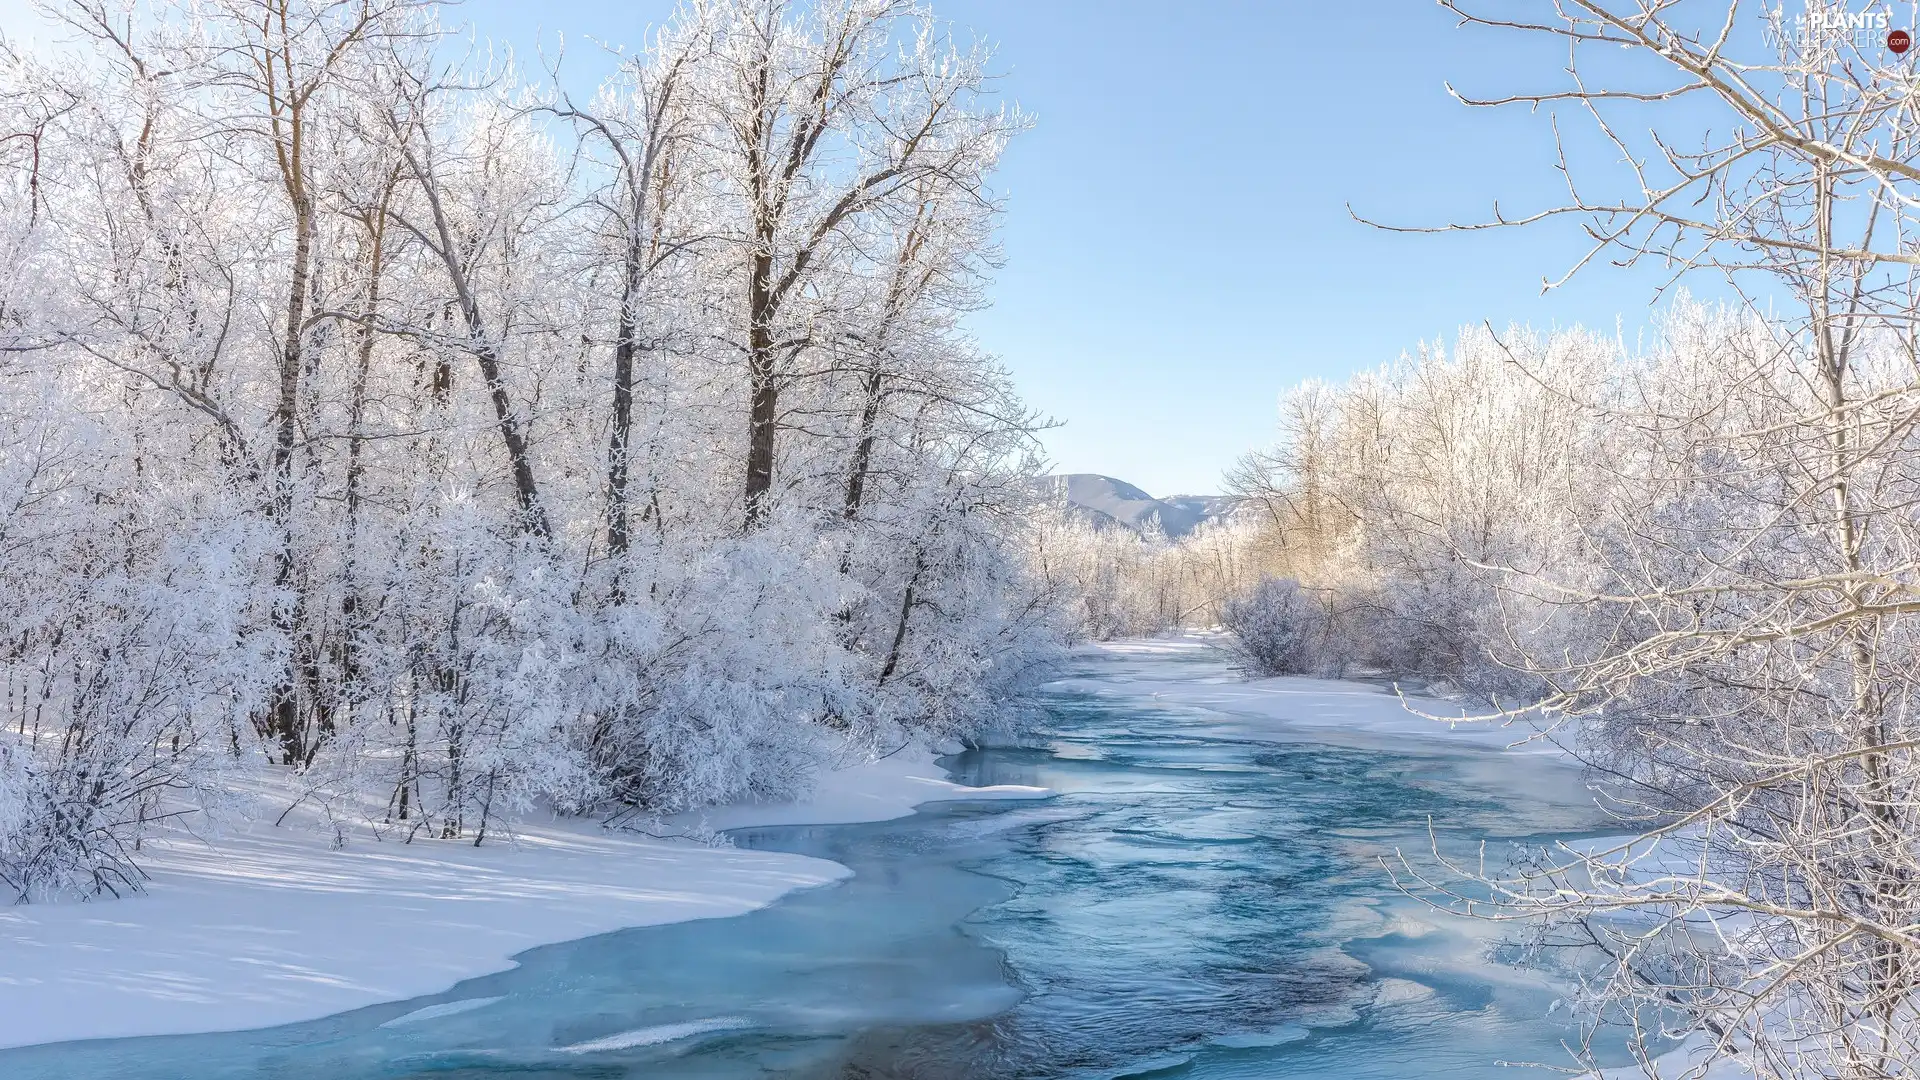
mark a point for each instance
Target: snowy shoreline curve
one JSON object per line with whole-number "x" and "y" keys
{"x": 1228, "y": 705}
{"x": 274, "y": 927}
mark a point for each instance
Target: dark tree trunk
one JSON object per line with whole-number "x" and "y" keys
{"x": 285, "y": 727}
{"x": 863, "y": 449}
{"x": 533, "y": 517}
{"x": 620, "y": 444}
{"x": 906, "y": 613}
{"x": 526, "y": 491}
{"x": 356, "y": 458}
{"x": 764, "y": 386}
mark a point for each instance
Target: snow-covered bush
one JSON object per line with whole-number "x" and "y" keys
{"x": 429, "y": 457}
{"x": 1399, "y": 495}
{"x": 714, "y": 688}
{"x": 131, "y": 681}
{"x": 1280, "y": 629}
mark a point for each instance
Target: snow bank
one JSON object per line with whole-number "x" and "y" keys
{"x": 875, "y": 791}
{"x": 1684, "y": 1064}
{"x": 273, "y": 926}
{"x": 1283, "y": 705}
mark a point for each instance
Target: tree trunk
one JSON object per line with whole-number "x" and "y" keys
{"x": 906, "y": 612}
{"x": 349, "y": 652}
{"x": 284, "y": 722}
{"x": 533, "y": 517}
{"x": 620, "y": 443}
{"x": 863, "y": 450}
{"x": 526, "y": 492}
{"x": 764, "y": 387}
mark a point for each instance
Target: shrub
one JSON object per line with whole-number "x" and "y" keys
{"x": 1281, "y": 628}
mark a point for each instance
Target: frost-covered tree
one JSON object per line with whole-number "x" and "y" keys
{"x": 373, "y": 436}
{"x": 1726, "y": 614}
{"x": 1122, "y": 583}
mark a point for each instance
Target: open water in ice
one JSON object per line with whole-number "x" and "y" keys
{"x": 1188, "y": 906}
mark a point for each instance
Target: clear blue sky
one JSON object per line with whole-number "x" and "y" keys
{"x": 1178, "y": 249}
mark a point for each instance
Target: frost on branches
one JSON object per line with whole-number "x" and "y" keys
{"x": 415, "y": 446}
{"x": 1691, "y": 560}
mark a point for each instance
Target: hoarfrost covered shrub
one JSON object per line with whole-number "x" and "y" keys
{"x": 1280, "y": 629}
{"x": 1395, "y": 627}
{"x": 131, "y": 688}
{"x": 711, "y": 691}
{"x": 954, "y": 626}
{"x": 1398, "y": 494}
{"x": 492, "y": 702}
{"x": 434, "y": 454}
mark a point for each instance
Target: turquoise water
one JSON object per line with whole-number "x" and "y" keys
{"x": 1185, "y": 907}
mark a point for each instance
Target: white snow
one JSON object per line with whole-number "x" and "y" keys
{"x": 274, "y": 926}
{"x": 875, "y": 791}
{"x": 1276, "y": 707}
{"x": 1684, "y": 1064}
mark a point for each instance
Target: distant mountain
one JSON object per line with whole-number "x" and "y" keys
{"x": 1109, "y": 502}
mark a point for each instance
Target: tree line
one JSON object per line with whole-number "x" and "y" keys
{"x": 1689, "y": 560}
{"x": 383, "y": 417}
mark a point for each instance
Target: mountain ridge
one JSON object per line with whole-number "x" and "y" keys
{"x": 1112, "y": 503}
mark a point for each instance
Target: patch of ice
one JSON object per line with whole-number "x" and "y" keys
{"x": 1400, "y": 992}
{"x": 655, "y": 1035}
{"x": 434, "y": 1012}
{"x": 1152, "y": 1066}
{"x": 1249, "y": 1040}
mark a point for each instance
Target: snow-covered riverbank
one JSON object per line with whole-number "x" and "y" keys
{"x": 275, "y": 926}
{"x": 1288, "y": 706}
{"x": 1284, "y": 707}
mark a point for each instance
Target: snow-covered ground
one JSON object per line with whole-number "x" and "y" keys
{"x": 1277, "y": 707}
{"x": 275, "y": 926}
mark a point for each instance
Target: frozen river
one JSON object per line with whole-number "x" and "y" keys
{"x": 1193, "y": 903}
